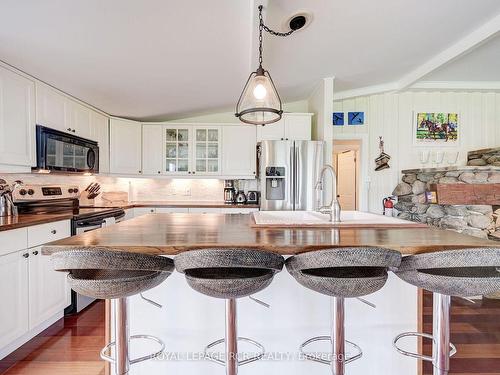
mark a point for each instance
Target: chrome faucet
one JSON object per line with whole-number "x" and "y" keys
{"x": 333, "y": 209}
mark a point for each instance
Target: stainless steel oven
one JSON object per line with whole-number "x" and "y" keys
{"x": 59, "y": 151}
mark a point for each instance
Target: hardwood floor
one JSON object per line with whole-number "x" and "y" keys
{"x": 475, "y": 331}
{"x": 70, "y": 346}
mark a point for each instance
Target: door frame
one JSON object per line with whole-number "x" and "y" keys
{"x": 364, "y": 178}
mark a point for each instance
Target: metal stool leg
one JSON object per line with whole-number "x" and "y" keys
{"x": 122, "y": 364}
{"x": 338, "y": 336}
{"x": 231, "y": 338}
{"x": 441, "y": 333}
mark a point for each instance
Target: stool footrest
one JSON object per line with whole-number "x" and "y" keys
{"x": 315, "y": 358}
{"x": 110, "y": 359}
{"x": 427, "y": 358}
{"x": 240, "y": 363}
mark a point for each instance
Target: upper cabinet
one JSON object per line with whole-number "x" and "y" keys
{"x": 57, "y": 111}
{"x": 152, "y": 146}
{"x": 207, "y": 150}
{"x": 99, "y": 126}
{"x": 125, "y": 146}
{"x": 292, "y": 127}
{"x": 239, "y": 150}
{"x": 17, "y": 119}
{"x": 177, "y": 149}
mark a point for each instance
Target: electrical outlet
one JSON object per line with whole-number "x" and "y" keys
{"x": 187, "y": 192}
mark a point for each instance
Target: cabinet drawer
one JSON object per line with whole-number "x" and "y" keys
{"x": 13, "y": 240}
{"x": 41, "y": 234}
{"x": 168, "y": 210}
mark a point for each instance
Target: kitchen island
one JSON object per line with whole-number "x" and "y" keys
{"x": 189, "y": 320}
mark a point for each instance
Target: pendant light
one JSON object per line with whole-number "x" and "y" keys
{"x": 260, "y": 103}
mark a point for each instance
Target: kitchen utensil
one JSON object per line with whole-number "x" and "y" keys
{"x": 253, "y": 197}
{"x": 229, "y": 195}
{"x": 241, "y": 198}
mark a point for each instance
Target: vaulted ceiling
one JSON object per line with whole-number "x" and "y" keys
{"x": 162, "y": 58}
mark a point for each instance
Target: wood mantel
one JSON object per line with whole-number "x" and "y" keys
{"x": 467, "y": 194}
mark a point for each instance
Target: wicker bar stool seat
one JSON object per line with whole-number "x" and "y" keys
{"x": 110, "y": 274}
{"x": 230, "y": 273}
{"x": 460, "y": 273}
{"x": 341, "y": 273}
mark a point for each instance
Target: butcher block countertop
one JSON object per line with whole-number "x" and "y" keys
{"x": 171, "y": 234}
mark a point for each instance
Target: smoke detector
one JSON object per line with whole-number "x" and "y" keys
{"x": 298, "y": 21}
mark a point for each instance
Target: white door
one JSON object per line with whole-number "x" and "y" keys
{"x": 52, "y": 109}
{"x": 152, "y": 149}
{"x": 346, "y": 180}
{"x": 178, "y": 154}
{"x": 14, "y": 296}
{"x": 80, "y": 119}
{"x": 49, "y": 293}
{"x": 17, "y": 119}
{"x": 125, "y": 146}
{"x": 239, "y": 148}
{"x": 271, "y": 132}
{"x": 297, "y": 127}
{"x": 207, "y": 150}
{"x": 100, "y": 134}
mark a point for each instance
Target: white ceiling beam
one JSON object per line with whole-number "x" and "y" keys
{"x": 457, "y": 85}
{"x": 364, "y": 91}
{"x": 460, "y": 48}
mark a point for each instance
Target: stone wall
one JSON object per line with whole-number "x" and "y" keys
{"x": 487, "y": 156}
{"x": 476, "y": 220}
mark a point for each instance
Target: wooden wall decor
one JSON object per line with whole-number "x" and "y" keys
{"x": 488, "y": 194}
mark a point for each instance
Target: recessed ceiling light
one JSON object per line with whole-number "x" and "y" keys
{"x": 298, "y": 21}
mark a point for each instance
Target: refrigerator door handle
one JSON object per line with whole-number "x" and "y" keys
{"x": 291, "y": 178}
{"x": 297, "y": 173}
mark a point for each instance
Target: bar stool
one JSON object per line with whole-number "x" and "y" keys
{"x": 106, "y": 274}
{"x": 230, "y": 274}
{"x": 461, "y": 273}
{"x": 341, "y": 273}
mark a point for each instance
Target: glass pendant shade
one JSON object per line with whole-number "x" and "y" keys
{"x": 259, "y": 103}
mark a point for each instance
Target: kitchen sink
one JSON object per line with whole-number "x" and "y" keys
{"x": 313, "y": 218}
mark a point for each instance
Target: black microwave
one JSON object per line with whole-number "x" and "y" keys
{"x": 62, "y": 152}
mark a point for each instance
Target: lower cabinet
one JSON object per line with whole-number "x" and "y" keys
{"x": 14, "y": 296}
{"x": 49, "y": 292}
{"x": 138, "y": 211}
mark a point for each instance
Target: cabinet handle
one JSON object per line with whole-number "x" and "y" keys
{"x": 35, "y": 252}
{"x": 69, "y": 129}
{"x": 253, "y": 172}
{"x": 189, "y": 172}
{"x": 73, "y": 130}
{"x": 194, "y": 172}
{"x": 159, "y": 172}
{"x": 53, "y": 231}
{"x": 140, "y": 172}
{"x": 26, "y": 255}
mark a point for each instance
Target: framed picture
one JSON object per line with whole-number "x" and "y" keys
{"x": 355, "y": 118}
{"x": 436, "y": 128}
{"x": 338, "y": 118}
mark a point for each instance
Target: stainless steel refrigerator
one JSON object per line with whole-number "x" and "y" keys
{"x": 288, "y": 172}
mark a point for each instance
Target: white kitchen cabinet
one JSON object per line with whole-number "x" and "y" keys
{"x": 169, "y": 210}
{"x": 238, "y": 210}
{"x": 17, "y": 119}
{"x": 152, "y": 149}
{"x": 129, "y": 214}
{"x": 49, "y": 292}
{"x": 292, "y": 127}
{"x": 100, "y": 133}
{"x": 177, "y": 149}
{"x": 239, "y": 150}
{"x": 125, "y": 146}
{"x": 79, "y": 119}
{"x": 14, "y": 296}
{"x": 207, "y": 150}
{"x": 139, "y": 211}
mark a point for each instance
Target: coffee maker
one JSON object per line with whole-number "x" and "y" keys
{"x": 229, "y": 192}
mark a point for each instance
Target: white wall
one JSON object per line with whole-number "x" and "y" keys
{"x": 391, "y": 116}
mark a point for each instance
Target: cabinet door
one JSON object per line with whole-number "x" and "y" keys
{"x": 271, "y": 132}
{"x": 169, "y": 210}
{"x": 125, "y": 146}
{"x": 139, "y": 211}
{"x": 14, "y": 297}
{"x": 177, "y": 145}
{"x": 100, "y": 133}
{"x": 152, "y": 149}
{"x": 80, "y": 119}
{"x": 17, "y": 119}
{"x": 49, "y": 292}
{"x": 51, "y": 108}
{"x": 297, "y": 127}
{"x": 239, "y": 145}
{"x": 207, "y": 150}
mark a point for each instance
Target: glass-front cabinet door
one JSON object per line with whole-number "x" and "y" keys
{"x": 177, "y": 149}
{"x": 207, "y": 150}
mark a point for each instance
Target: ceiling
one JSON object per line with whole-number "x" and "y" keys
{"x": 158, "y": 59}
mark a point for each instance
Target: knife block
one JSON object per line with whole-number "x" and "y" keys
{"x": 84, "y": 199}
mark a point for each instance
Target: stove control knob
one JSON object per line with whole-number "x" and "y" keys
{"x": 75, "y": 190}
{"x": 31, "y": 191}
{"x": 22, "y": 192}
{"x": 70, "y": 191}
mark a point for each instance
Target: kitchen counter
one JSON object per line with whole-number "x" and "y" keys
{"x": 26, "y": 220}
{"x": 180, "y": 204}
{"x": 171, "y": 234}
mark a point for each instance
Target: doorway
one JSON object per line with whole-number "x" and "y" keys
{"x": 346, "y": 163}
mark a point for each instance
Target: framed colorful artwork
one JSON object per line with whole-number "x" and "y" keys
{"x": 338, "y": 118}
{"x": 436, "y": 128}
{"x": 355, "y": 118}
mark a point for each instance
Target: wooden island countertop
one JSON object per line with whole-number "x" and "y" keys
{"x": 171, "y": 234}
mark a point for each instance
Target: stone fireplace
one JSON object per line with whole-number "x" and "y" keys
{"x": 462, "y": 199}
